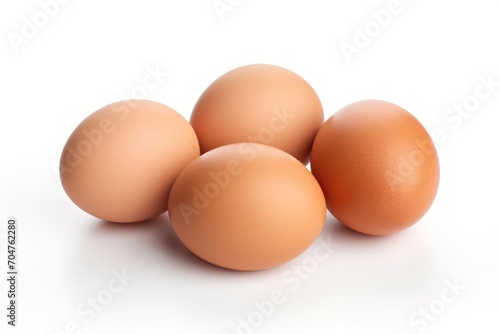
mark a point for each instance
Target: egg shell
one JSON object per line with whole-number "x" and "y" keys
{"x": 120, "y": 163}
{"x": 259, "y": 103}
{"x": 377, "y": 166}
{"x": 247, "y": 207}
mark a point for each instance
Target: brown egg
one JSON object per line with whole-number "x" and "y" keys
{"x": 259, "y": 103}
{"x": 377, "y": 166}
{"x": 247, "y": 206}
{"x": 120, "y": 163}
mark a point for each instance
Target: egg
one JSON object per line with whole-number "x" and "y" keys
{"x": 377, "y": 166}
{"x": 246, "y": 206}
{"x": 259, "y": 103}
{"x": 120, "y": 163}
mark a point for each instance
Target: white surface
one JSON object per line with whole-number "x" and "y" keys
{"x": 428, "y": 58}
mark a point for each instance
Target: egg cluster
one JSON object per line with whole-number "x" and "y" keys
{"x": 234, "y": 179}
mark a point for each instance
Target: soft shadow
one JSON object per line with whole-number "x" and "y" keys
{"x": 345, "y": 235}
{"x": 406, "y": 250}
{"x": 158, "y": 234}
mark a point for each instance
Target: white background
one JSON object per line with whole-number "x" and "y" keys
{"x": 428, "y": 58}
